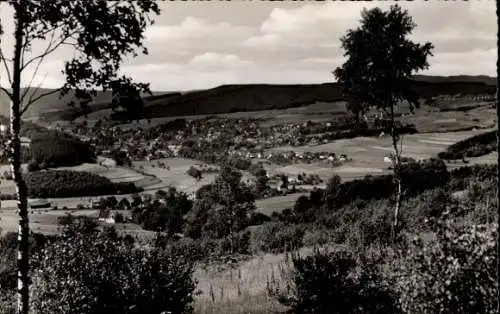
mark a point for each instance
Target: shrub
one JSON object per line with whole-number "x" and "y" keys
{"x": 195, "y": 173}
{"x": 100, "y": 272}
{"x": 460, "y": 177}
{"x": 164, "y": 216}
{"x": 278, "y": 237}
{"x": 419, "y": 176}
{"x": 258, "y": 218}
{"x": 238, "y": 163}
{"x": 416, "y": 177}
{"x": 316, "y": 236}
{"x": 257, "y": 169}
{"x": 453, "y": 274}
{"x": 360, "y": 223}
{"x": 64, "y": 183}
{"x": 475, "y": 146}
{"x": 33, "y": 166}
{"x": 119, "y": 218}
{"x": 236, "y": 243}
{"x": 330, "y": 283}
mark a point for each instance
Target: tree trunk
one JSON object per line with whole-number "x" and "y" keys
{"x": 15, "y": 159}
{"x": 498, "y": 162}
{"x": 396, "y": 164}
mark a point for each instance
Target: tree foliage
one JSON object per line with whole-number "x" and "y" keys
{"x": 101, "y": 272}
{"x": 164, "y": 213}
{"x": 381, "y": 59}
{"x": 221, "y": 208}
{"x": 54, "y": 149}
{"x": 65, "y": 183}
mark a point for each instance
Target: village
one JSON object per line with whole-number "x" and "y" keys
{"x": 229, "y": 137}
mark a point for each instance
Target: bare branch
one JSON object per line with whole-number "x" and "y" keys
{"x": 5, "y": 90}
{"x": 51, "y": 41}
{"x": 51, "y": 48}
{"x": 33, "y": 99}
{"x": 4, "y": 61}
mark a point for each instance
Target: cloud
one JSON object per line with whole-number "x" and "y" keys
{"x": 194, "y": 35}
{"x": 211, "y": 60}
{"x": 465, "y": 40}
{"x": 475, "y": 62}
{"x": 321, "y": 25}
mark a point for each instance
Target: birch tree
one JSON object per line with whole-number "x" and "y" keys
{"x": 101, "y": 35}
{"x": 380, "y": 63}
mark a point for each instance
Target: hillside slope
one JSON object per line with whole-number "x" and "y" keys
{"x": 53, "y": 103}
{"x": 248, "y": 97}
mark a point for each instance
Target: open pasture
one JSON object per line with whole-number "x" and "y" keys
{"x": 276, "y": 204}
{"x": 367, "y": 153}
{"x": 176, "y": 174}
{"x": 115, "y": 174}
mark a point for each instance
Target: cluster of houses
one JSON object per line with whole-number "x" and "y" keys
{"x": 480, "y": 97}
{"x": 290, "y": 156}
{"x": 238, "y": 137}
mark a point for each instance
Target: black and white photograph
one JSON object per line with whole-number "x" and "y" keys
{"x": 249, "y": 157}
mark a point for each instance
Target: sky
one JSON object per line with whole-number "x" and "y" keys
{"x": 197, "y": 45}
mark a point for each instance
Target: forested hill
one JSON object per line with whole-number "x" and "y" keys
{"x": 250, "y": 97}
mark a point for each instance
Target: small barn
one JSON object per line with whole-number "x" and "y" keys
{"x": 38, "y": 203}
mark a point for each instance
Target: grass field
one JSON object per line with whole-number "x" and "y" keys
{"x": 243, "y": 288}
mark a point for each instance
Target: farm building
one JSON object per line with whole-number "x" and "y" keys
{"x": 38, "y": 203}
{"x": 106, "y": 216}
{"x": 26, "y": 142}
{"x": 112, "y": 217}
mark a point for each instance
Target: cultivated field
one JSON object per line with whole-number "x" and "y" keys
{"x": 367, "y": 153}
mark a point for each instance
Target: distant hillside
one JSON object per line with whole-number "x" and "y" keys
{"x": 250, "y": 97}
{"x": 53, "y": 103}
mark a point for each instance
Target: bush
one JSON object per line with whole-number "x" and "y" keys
{"x": 258, "y": 218}
{"x": 360, "y": 223}
{"x": 460, "y": 177}
{"x": 236, "y": 243}
{"x": 100, "y": 272}
{"x": 164, "y": 216}
{"x": 330, "y": 283}
{"x": 257, "y": 169}
{"x": 64, "y": 183}
{"x": 8, "y": 258}
{"x": 424, "y": 175}
{"x": 278, "y": 237}
{"x": 416, "y": 177}
{"x": 316, "y": 236}
{"x": 453, "y": 274}
{"x": 475, "y": 146}
{"x": 33, "y": 166}
{"x": 195, "y": 173}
